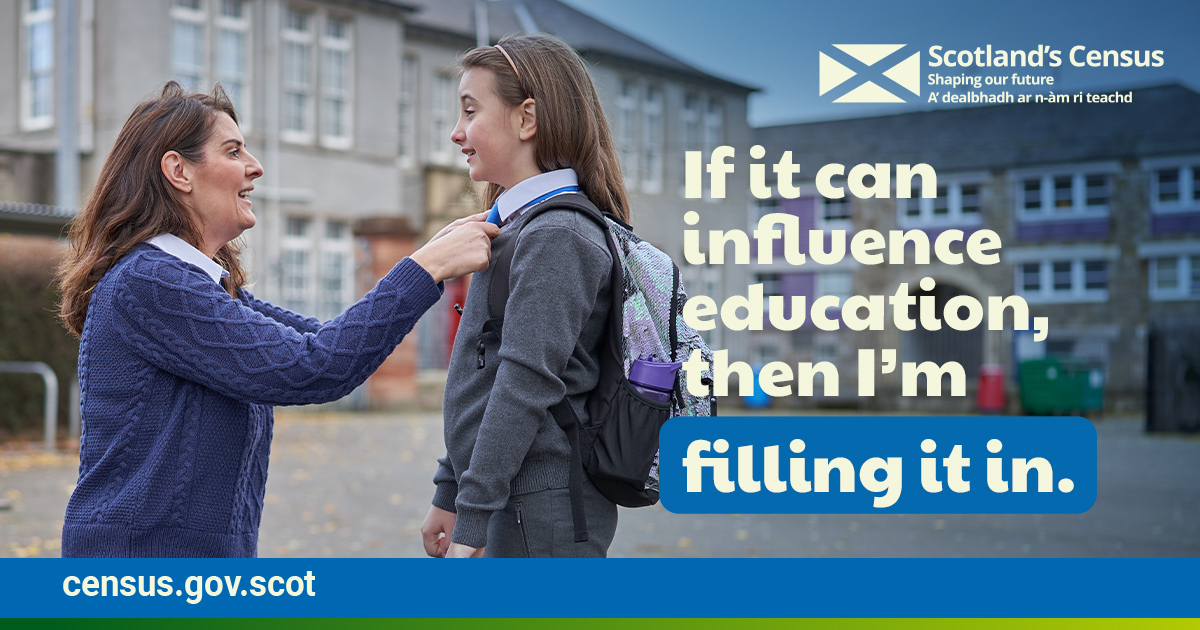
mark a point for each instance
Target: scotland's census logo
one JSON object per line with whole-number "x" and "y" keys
{"x": 874, "y": 82}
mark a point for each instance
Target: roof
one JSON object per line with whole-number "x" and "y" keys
{"x": 34, "y": 218}
{"x": 454, "y": 20}
{"x": 1160, "y": 121}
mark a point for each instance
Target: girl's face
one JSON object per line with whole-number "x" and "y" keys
{"x": 492, "y": 135}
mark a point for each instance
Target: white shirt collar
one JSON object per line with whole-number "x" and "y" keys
{"x": 513, "y": 200}
{"x": 184, "y": 251}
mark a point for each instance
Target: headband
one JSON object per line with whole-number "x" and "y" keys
{"x": 510, "y": 61}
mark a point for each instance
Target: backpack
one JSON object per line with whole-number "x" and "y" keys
{"x": 618, "y": 447}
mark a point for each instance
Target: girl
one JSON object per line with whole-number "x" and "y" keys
{"x": 531, "y": 126}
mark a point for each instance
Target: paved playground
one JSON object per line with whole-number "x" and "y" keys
{"x": 358, "y": 484}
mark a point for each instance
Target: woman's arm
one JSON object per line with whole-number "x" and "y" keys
{"x": 291, "y": 319}
{"x": 182, "y": 322}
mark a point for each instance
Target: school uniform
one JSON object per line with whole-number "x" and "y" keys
{"x": 506, "y": 468}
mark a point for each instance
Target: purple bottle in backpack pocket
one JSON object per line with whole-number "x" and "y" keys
{"x": 654, "y": 379}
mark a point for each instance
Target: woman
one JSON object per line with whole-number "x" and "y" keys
{"x": 178, "y": 364}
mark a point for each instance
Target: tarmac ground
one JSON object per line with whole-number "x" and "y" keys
{"x": 359, "y": 485}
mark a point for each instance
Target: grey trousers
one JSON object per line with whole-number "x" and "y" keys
{"x": 539, "y": 525}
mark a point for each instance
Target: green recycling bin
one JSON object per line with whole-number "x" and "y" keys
{"x": 1061, "y": 385}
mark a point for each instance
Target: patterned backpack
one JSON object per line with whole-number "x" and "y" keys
{"x": 618, "y": 447}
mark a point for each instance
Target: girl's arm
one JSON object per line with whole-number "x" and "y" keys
{"x": 183, "y": 323}
{"x": 557, "y": 275}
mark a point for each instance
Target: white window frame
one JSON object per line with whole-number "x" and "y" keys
{"x": 1182, "y": 252}
{"x": 241, "y": 26}
{"x": 288, "y": 243}
{"x": 714, "y": 124}
{"x": 827, "y": 280}
{"x": 29, "y": 19}
{"x": 821, "y": 209}
{"x": 409, "y": 78}
{"x": 628, "y": 98}
{"x": 691, "y": 133}
{"x": 653, "y": 139}
{"x": 344, "y": 45}
{"x": 196, "y": 17}
{"x": 444, "y": 102}
{"x": 1079, "y": 208}
{"x": 1077, "y": 255}
{"x": 343, "y": 247}
{"x": 1189, "y": 181}
{"x": 308, "y": 39}
{"x": 954, "y": 217}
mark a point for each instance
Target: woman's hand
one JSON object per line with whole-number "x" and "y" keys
{"x": 462, "y": 551}
{"x": 436, "y": 530}
{"x": 462, "y": 247}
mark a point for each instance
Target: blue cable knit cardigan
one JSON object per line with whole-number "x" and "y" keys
{"x": 178, "y": 379}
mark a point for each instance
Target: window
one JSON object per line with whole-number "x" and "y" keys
{"x": 837, "y": 209}
{"x": 210, "y": 43}
{"x": 1031, "y": 278}
{"x": 1064, "y": 195}
{"x": 297, "y": 77}
{"x": 1175, "y": 277}
{"x": 296, "y": 265}
{"x": 771, "y": 283}
{"x": 231, "y": 52}
{"x": 714, "y": 125}
{"x": 690, "y": 120}
{"x": 37, "y": 85}
{"x": 1175, "y": 188}
{"x": 626, "y": 123}
{"x": 957, "y": 203}
{"x": 652, "y": 140}
{"x": 408, "y": 109}
{"x": 188, "y": 33}
{"x": 1074, "y": 280}
{"x": 439, "y": 118}
{"x": 760, "y": 208}
{"x": 836, "y": 283}
{"x": 337, "y": 274}
{"x": 336, "y": 75}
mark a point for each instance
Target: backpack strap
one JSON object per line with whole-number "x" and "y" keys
{"x": 498, "y": 292}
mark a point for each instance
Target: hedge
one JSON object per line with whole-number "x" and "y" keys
{"x": 30, "y": 331}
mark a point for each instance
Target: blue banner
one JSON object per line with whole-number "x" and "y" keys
{"x": 909, "y": 465}
{"x": 598, "y": 588}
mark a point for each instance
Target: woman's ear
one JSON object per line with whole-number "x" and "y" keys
{"x": 174, "y": 168}
{"x": 528, "y": 127}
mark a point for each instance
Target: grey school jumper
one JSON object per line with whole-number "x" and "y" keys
{"x": 500, "y": 437}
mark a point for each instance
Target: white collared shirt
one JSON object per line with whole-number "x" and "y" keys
{"x": 184, "y": 251}
{"x": 515, "y": 200}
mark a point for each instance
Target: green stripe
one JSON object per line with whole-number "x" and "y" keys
{"x": 601, "y": 624}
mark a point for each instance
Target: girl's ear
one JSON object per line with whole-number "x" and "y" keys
{"x": 174, "y": 168}
{"x": 528, "y": 127}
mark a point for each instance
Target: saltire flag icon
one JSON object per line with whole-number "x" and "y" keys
{"x": 904, "y": 74}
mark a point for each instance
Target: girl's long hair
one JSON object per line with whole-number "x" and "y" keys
{"x": 133, "y": 202}
{"x": 571, "y": 129}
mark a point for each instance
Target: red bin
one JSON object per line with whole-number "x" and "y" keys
{"x": 990, "y": 396}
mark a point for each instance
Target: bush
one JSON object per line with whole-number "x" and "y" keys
{"x": 30, "y": 331}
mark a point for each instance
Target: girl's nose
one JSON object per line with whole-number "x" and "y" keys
{"x": 458, "y": 136}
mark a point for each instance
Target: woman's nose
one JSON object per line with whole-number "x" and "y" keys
{"x": 254, "y": 169}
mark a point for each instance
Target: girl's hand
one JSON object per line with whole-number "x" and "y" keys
{"x": 462, "y": 551}
{"x": 458, "y": 250}
{"x": 435, "y": 531}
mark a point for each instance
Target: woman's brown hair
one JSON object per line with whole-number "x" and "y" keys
{"x": 571, "y": 129}
{"x": 133, "y": 202}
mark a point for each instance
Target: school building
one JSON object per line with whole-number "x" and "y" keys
{"x": 1097, "y": 207}
{"x": 349, "y": 105}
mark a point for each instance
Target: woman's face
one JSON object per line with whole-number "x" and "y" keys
{"x": 489, "y": 132}
{"x": 221, "y": 186}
